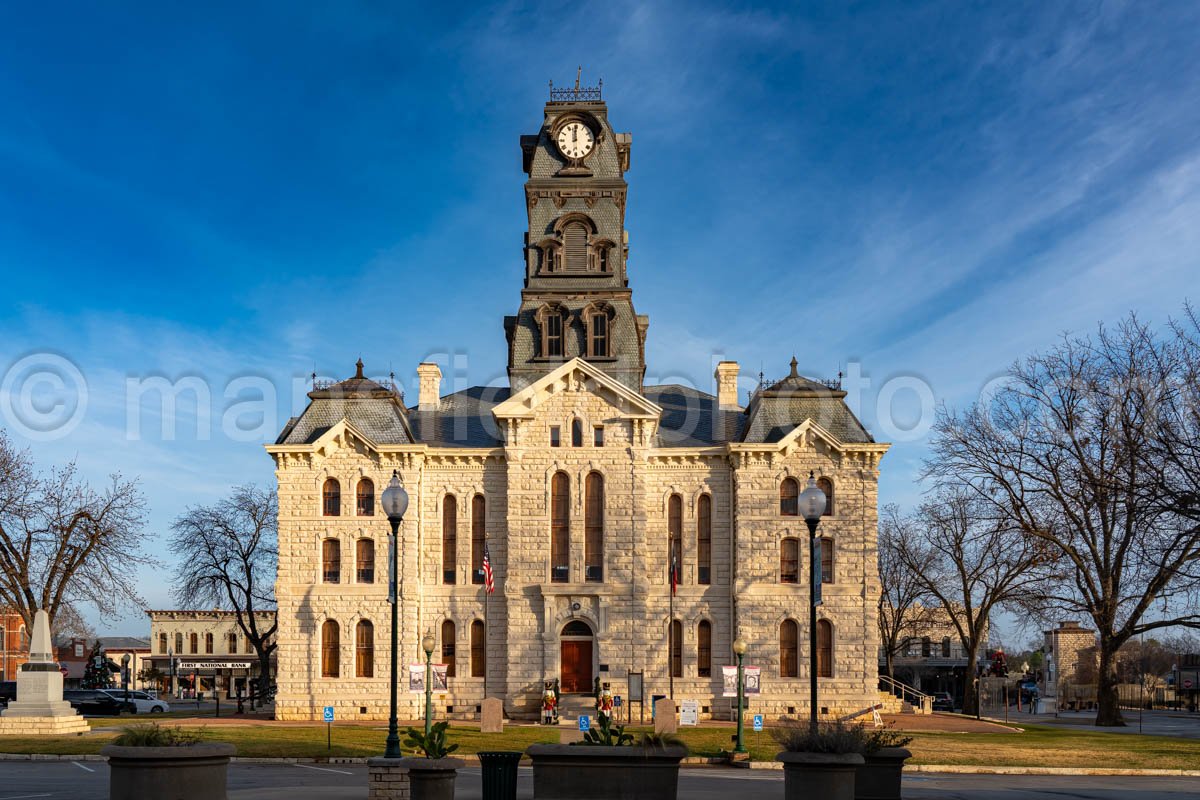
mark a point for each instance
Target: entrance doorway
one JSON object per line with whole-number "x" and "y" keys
{"x": 576, "y": 657}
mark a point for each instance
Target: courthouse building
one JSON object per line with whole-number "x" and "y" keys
{"x": 582, "y": 481}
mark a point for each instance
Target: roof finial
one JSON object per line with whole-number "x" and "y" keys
{"x": 793, "y": 373}
{"x": 358, "y": 367}
{"x": 578, "y": 75}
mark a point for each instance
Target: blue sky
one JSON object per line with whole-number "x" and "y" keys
{"x": 254, "y": 190}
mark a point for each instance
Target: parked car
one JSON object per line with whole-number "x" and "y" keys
{"x": 942, "y": 701}
{"x": 8, "y": 692}
{"x": 142, "y": 702}
{"x": 96, "y": 702}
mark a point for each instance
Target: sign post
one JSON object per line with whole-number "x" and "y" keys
{"x": 585, "y": 723}
{"x": 328, "y": 727}
{"x": 758, "y": 723}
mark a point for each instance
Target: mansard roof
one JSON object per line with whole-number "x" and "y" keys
{"x": 777, "y": 409}
{"x": 462, "y": 419}
{"x": 375, "y": 410}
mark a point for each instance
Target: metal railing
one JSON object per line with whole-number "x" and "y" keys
{"x": 906, "y": 693}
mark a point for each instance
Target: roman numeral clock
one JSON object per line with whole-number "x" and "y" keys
{"x": 576, "y": 136}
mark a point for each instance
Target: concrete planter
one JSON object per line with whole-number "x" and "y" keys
{"x": 431, "y": 778}
{"x": 879, "y": 777}
{"x": 566, "y": 772}
{"x": 829, "y": 776}
{"x": 192, "y": 772}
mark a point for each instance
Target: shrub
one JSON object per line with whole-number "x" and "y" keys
{"x": 605, "y": 734}
{"x": 829, "y": 737}
{"x": 658, "y": 741}
{"x": 434, "y": 745}
{"x": 884, "y": 737}
{"x": 155, "y": 735}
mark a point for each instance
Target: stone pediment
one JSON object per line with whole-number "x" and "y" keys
{"x": 344, "y": 435}
{"x": 577, "y": 375}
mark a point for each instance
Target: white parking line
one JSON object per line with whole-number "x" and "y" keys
{"x": 324, "y": 769}
{"x": 24, "y": 796}
{"x": 81, "y": 766}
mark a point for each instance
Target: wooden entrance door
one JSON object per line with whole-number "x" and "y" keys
{"x": 576, "y": 666}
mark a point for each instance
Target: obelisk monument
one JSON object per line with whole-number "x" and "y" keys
{"x": 39, "y": 707}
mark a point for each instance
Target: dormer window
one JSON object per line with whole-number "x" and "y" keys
{"x": 551, "y": 254}
{"x": 575, "y": 243}
{"x": 597, "y": 318}
{"x": 602, "y": 258}
{"x": 551, "y": 321}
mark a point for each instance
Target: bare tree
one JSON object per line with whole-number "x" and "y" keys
{"x": 1076, "y": 452}
{"x": 63, "y": 544}
{"x": 900, "y": 606}
{"x": 228, "y": 553}
{"x": 967, "y": 558}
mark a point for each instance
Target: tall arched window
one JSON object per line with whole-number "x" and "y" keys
{"x": 193, "y": 643}
{"x": 789, "y": 560}
{"x": 675, "y": 537}
{"x": 448, "y": 647}
{"x": 704, "y": 649}
{"x": 331, "y": 561}
{"x": 676, "y": 648}
{"x": 604, "y": 258}
{"x": 826, "y": 560}
{"x": 598, "y": 336}
{"x": 575, "y": 243}
{"x": 162, "y": 642}
{"x": 232, "y": 644}
{"x": 560, "y": 528}
{"x": 331, "y": 498}
{"x": 789, "y": 490}
{"x": 478, "y": 536}
{"x": 789, "y": 653}
{"x": 926, "y": 647}
{"x": 550, "y": 321}
{"x": 364, "y": 649}
{"x": 945, "y": 647}
{"x": 704, "y": 539}
{"x": 576, "y": 432}
{"x": 364, "y": 555}
{"x": 593, "y": 534}
{"x": 824, "y": 648}
{"x": 449, "y": 538}
{"x": 826, "y": 486}
{"x": 330, "y": 647}
{"x": 178, "y": 643}
{"x": 208, "y": 643}
{"x": 364, "y": 498}
{"x": 478, "y": 649}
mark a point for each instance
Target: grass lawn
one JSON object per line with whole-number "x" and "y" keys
{"x": 1039, "y": 746}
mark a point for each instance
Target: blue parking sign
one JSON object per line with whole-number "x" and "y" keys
{"x": 585, "y": 723}
{"x": 758, "y": 722}
{"x": 329, "y": 713}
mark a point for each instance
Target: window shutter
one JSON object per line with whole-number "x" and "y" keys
{"x": 575, "y": 241}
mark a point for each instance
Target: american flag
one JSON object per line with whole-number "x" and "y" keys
{"x": 489, "y": 580}
{"x": 674, "y": 572}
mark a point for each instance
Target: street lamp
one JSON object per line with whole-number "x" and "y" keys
{"x": 427, "y": 645}
{"x": 739, "y": 650}
{"x": 125, "y": 676}
{"x": 812, "y": 503}
{"x": 395, "y": 502}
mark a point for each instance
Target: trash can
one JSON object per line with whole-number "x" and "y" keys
{"x": 500, "y": 774}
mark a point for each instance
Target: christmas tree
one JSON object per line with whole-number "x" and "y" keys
{"x": 98, "y": 672}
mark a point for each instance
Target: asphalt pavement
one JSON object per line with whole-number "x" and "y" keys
{"x": 88, "y": 780}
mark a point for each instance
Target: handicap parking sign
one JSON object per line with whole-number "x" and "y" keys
{"x": 329, "y": 713}
{"x": 585, "y": 723}
{"x": 758, "y": 722}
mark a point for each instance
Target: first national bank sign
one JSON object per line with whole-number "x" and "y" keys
{"x": 216, "y": 665}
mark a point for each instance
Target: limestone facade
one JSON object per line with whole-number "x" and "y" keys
{"x": 579, "y": 478}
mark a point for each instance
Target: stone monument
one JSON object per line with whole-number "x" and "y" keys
{"x": 664, "y": 716}
{"x": 39, "y": 707}
{"x": 491, "y": 718}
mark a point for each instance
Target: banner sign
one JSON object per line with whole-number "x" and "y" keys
{"x": 216, "y": 664}
{"x": 416, "y": 678}
{"x": 751, "y": 681}
{"x": 816, "y": 571}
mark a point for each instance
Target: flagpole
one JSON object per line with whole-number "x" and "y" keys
{"x": 670, "y": 629}
{"x": 487, "y": 631}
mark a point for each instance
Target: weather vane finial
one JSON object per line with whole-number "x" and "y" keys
{"x": 578, "y": 76}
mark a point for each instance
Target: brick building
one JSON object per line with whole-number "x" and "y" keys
{"x": 14, "y": 644}
{"x": 583, "y": 482}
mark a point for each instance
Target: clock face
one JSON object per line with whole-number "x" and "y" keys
{"x": 575, "y": 140}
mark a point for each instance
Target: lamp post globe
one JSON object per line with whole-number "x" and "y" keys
{"x": 812, "y": 501}
{"x": 394, "y": 501}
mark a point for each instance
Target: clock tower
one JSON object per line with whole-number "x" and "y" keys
{"x": 576, "y": 300}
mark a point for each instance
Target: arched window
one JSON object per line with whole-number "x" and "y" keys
{"x": 178, "y": 643}
{"x": 560, "y": 528}
{"x": 704, "y": 539}
{"x": 945, "y": 647}
{"x": 704, "y": 649}
{"x": 364, "y": 649}
{"x": 598, "y": 336}
{"x": 824, "y": 648}
{"x": 826, "y": 560}
{"x": 603, "y": 258}
{"x": 162, "y": 641}
{"x": 208, "y": 643}
{"x": 448, "y": 647}
{"x": 576, "y": 432}
{"x": 575, "y": 244}
{"x": 478, "y": 649}
{"x": 193, "y": 643}
{"x": 789, "y": 654}
{"x": 449, "y": 538}
{"x": 789, "y": 560}
{"x": 330, "y": 646}
{"x": 674, "y": 538}
{"x": 593, "y": 533}
{"x": 331, "y": 498}
{"x": 478, "y": 536}
{"x": 364, "y": 498}
{"x": 550, "y": 320}
{"x": 826, "y": 486}
{"x": 331, "y": 561}
{"x": 364, "y": 555}
{"x": 233, "y": 643}
{"x": 926, "y": 647}
{"x": 551, "y": 257}
{"x": 676, "y": 649}
{"x": 789, "y": 490}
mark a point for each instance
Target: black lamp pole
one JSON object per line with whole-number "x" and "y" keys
{"x": 812, "y": 504}
{"x": 395, "y": 503}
